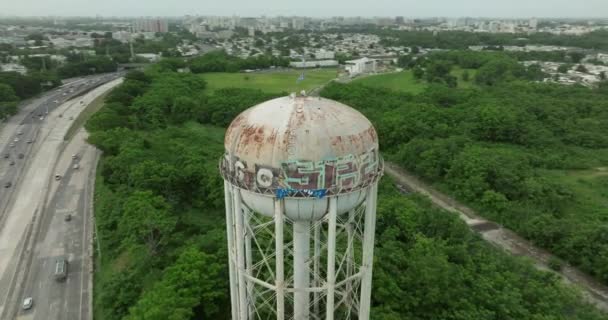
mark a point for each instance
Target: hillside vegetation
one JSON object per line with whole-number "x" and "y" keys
{"x": 528, "y": 155}
{"x": 160, "y": 216}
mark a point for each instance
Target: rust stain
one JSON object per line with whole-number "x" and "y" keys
{"x": 272, "y": 138}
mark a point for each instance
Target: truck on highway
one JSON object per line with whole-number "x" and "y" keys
{"x": 61, "y": 269}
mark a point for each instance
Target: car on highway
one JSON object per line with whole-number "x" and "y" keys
{"x": 12, "y": 163}
{"x": 75, "y": 156}
{"x": 16, "y": 140}
{"x": 76, "y": 166}
{"x": 6, "y": 155}
{"x": 30, "y": 141}
{"x": 68, "y": 217}
{"x": 57, "y": 177}
{"x": 21, "y": 156}
{"x": 8, "y": 184}
{"x": 56, "y": 101}
{"x": 20, "y": 132}
{"x": 28, "y": 303}
{"x": 61, "y": 269}
{"x": 12, "y": 145}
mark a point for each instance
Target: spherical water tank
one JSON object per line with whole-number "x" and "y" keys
{"x": 302, "y": 149}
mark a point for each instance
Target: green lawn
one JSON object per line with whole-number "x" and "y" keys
{"x": 275, "y": 82}
{"x": 590, "y": 188}
{"x": 405, "y": 81}
{"x": 458, "y": 72}
{"x": 398, "y": 81}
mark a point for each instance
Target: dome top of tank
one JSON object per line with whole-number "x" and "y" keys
{"x": 303, "y": 144}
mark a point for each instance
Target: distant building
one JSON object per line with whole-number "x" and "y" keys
{"x": 122, "y": 36}
{"x": 533, "y": 24}
{"x": 313, "y": 64}
{"x": 359, "y": 66}
{"x": 13, "y": 67}
{"x": 63, "y": 43}
{"x": 399, "y": 20}
{"x": 324, "y": 55}
{"x": 151, "y": 25}
{"x": 602, "y": 57}
{"x": 152, "y": 57}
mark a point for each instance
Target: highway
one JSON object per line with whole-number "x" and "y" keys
{"x": 33, "y": 227}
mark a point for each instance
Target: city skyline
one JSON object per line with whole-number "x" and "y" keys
{"x": 311, "y": 8}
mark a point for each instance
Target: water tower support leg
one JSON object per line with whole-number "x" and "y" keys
{"x": 331, "y": 258}
{"x": 350, "y": 256}
{"x": 279, "y": 272}
{"x": 249, "y": 262}
{"x": 301, "y": 269}
{"x": 316, "y": 267}
{"x": 240, "y": 248}
{"x": 368, "y": 253}
{"x": 231, "y": 256}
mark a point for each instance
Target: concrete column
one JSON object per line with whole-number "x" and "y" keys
{"x": 331, "y": 258}
{"x": 240, "y": 254}
{"x": 231, "y": 254}
{"x": 316, "y": 267}
{"x": 301, "y": 269}
{"x": 249, "y": 264}
{"x": 368, "y": 252}
{"x": 279, "y": 272}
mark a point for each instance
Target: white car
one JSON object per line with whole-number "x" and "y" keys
{"x": 28, "y": 303}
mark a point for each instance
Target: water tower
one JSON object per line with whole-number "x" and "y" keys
{"x": 300, "y": 179}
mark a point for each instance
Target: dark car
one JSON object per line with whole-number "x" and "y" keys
{"x": 21, "y": 156}
{"x": 6, "y": 156}
{"x": 8, "y": 184}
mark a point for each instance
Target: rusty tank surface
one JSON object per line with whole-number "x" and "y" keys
{"x": 301, "y": 147}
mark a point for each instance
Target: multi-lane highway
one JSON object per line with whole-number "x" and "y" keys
{"x": 39, "y": 187}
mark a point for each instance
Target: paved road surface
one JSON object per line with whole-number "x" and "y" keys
{"x": 33, "y": 233}
{"x": 593, "y": 291}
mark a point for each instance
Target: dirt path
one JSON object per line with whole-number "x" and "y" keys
{"x": 593, "y": 291}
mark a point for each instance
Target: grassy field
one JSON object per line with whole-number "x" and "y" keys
{"x": 399, "y": 81}
{"x": 273, "y": 82}
{"x": 458, "y": 72}
{"x": 590, "y": 188}
{"x": 405, "y": 81}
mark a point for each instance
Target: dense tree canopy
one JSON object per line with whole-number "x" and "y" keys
{"x": 159, "y": 197}
{"x": 504, "y": 149}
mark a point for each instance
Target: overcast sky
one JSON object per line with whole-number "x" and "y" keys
{"x": 316, "y": 8}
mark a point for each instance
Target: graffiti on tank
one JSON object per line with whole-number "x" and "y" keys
{"x": 341, "y": 173}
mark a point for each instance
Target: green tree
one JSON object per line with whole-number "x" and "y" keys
{"x": 192, "y": 280}
{"x": 564, "y": 68}
{"x": 581, "y": 68}
{"x": 146, "y": 220}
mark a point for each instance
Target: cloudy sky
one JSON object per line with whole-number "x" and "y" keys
{"x": 317, "y": 8}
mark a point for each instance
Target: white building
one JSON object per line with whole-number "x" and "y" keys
{"x": 152, "y": 57}
{"x": 313, "y": 64}
{"x": 151, "y": 25}
{"x": 602, "y": 57}
{"x": 359, "y": 66}
{"x": 324, "y": 55}
{"x": 13, "y": 67}
{"x": 122, "y": 36}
